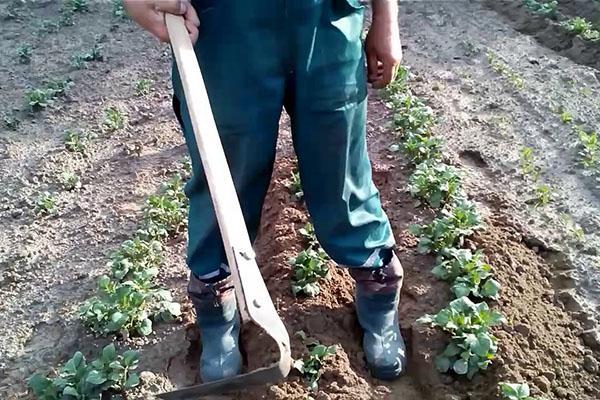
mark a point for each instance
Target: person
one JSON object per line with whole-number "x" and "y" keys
{"x": 258, "y": 57}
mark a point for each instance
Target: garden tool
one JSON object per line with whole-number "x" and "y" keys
{"x": 254, "y": 301}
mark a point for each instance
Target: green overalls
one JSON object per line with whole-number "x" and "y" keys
{"x": 258, "y": 56}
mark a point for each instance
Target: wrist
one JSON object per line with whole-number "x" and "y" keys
{"x": 385, "y": 11}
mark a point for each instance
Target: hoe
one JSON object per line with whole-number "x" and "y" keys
{"x": 253, "y": 299}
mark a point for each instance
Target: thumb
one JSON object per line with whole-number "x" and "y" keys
{"x": 178, "y": 7}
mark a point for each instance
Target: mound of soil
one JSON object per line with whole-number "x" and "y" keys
{"x": 549, "y": 32}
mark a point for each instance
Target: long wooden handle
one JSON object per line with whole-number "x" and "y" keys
{"x": 220, "y": 183}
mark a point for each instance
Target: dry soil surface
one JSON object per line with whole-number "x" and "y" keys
{"x": 49, "y": 265}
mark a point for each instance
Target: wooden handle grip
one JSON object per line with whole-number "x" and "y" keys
{"x": 220, "y": 183}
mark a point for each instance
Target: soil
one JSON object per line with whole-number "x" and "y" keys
{"x": 48, "y": 265}
{"x": 549, "y": 32}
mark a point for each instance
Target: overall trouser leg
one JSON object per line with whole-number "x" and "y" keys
{"x": 327, "y": 106}
{"x": 244, "y": 77}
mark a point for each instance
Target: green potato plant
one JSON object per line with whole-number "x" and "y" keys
{"x": 118, "y": 10}
{"x": 411, "y": 114}
{"x": 129, "y": 307}
{"x": 24, "y": 53}
{"x": 310, "y": 366}
{"x": 547, "y": 9}
{"x": 135, "y": 255}
{"x": 449, "y": 229}
{"x": 435, "y": 183}
{"x": 309, "y": 267}
{"x": 398, "y": 86}
{"x": 11, "y": 121}
{"x": 467, "y": 273}
{"x": 142, "y": 87}
{"x": 75, "y": 5}
{"x": 422, "y": 147}
{"x": 528, "y": 164}
{"x": 589, "y": 147}
{"x": 70, "y": 180}
{"x": 581, "y": 27}
{"x": 41, "y": 98}
{"x": 109, "y": 373}
{"x": 543, "y": 195}
{"x": 472, "y": 347}
{"x": 81, "y": 60}
{"x": 165, "y": 214}
{"x": 114, "y": 119}
{"x": 45, "y": 204}
{"x": 516, "y": 391}
{"x": 47, "y": 26}
{"x": 503, "y": 69}
{"x": 77, "y": 141}
{"x": 309, "y": 236}
{"x": 295, "y": 186}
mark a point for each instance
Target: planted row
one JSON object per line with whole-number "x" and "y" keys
{"x": 128, "y": 299}
{"x": 109, "y": 374}
{"x": 471, "y": 347}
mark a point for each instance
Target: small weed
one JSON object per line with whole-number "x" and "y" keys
{"x": 45, "y": 204}
{"x": 11, "y": 121}
{"x": 114, "y": 119}
{"x": 435, "y": 183}
{"x": 309, "y": 267}
{"x": 24, "y": 53}
{"x": 70, "y": 180}
{"x": 546, "y": 9}
{"x": 516, "y": 391}
{"x": 77, "y": 379}
{"x": 295, "y": 186}
{"x": 80, "y": 60}
{"x": 527, "y": 163}
{"x": 589, "y": 147}
{"x": 310, "y": 365}
{"x": 77, "y": 141}
{"x": 142, "y": 87}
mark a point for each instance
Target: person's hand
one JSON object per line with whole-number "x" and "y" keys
{"x": 383, "y": 50}
{"x": 149, "y": 14}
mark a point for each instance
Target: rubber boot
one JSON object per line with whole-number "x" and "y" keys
{"x": 219, "y": 325}
{"x": 377, "y": 298}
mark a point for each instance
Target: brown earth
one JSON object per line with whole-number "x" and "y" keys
{"x": 542, "y": 343}
{"x": 549, "y": 32}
